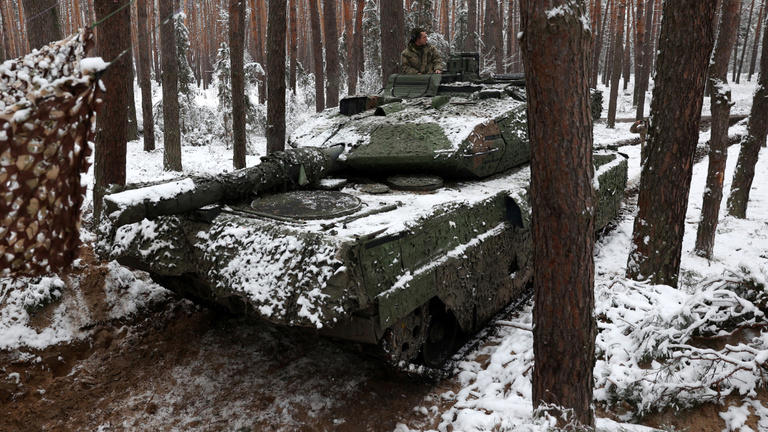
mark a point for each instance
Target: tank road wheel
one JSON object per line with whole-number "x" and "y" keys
{"x": 404, "y": 339}
{"x": 442, "y": 338}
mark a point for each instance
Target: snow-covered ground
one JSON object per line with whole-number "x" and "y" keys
{"x": 649, "y": 356}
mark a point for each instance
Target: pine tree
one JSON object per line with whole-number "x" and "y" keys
{"x": 685, "y": 44}
{"x": 556, "y": 56}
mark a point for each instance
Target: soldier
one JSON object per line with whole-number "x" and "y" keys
{"x": 420, "y": 57}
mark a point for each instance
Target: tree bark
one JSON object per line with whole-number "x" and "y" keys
{"x": 260, "y": 50}
{"x": 294, "y": 46}
{"x": 685, "y": 44}
{"x": 648, "y": 55}
{"x": 170, "y": 75}
{"x": 746, "y": 39}
{"x": 112, "y": 119}
{"x": 736, "y": 49}
{"x": 236, "y": 53}
{"x": 611, "y": 45}
{"x": 627, "y": 60}
{"x": 43, "y": 25}
{"x": 750, "y": 146}
{"x": 556, "y": 56}
{"x": 597, "y": 43}
{"x": 755, "y": 43}
{"x": 718, "y": 142}
{"x": 331, "y": 54}
{"x": 317, "y": 55}
{"x": 617, "y": 59}
{"x": 144, "y": 76}
{"x": 392, "y": 38}
{"x": 276, "y": 76}
{"x": 639, "y": 50}
{"x": 470, "y": 43}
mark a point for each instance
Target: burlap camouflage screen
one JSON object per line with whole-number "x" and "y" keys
{"x": 47, "y": 103}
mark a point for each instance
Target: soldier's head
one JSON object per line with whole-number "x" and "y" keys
{"x": 418, "y": 36}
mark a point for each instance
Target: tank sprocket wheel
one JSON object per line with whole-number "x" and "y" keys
{"x": 402, "y": 341}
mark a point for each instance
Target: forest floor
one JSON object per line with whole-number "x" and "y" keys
{"x": 104, "y": 348}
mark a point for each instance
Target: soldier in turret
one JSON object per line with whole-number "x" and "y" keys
{"x": 420, "y": 57}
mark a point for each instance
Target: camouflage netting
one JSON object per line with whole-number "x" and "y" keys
{"x": 47, "y": 104}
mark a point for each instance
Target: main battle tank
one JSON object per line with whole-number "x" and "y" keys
{"x": 399, "y": 220}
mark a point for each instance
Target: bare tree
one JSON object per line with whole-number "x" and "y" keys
{"x": 750, "y": 146}
{"x": 43, "y": 23}
{"x": 112, "y": 119}
{"x": 556, "y": 50}
{"x": 144, "y": 75}
{"x": 392, "y": 37}
{"x": 276, "y": 76}
{"x": 685, "y": 44}
{"x": 171, "y": 132}
{"x": 718, "y": 143}
{"x": 236, "y": 53}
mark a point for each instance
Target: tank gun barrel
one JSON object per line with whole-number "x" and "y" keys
{"x": 282, "y": 170}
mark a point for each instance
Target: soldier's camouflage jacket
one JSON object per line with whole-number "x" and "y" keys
{"x": 424, "y": 59}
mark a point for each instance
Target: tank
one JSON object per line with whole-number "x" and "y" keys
{"x": 400, "y": 221}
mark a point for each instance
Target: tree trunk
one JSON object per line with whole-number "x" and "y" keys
{"x": 611, "y": 48}
{"x": 445, "y": 28}
{"x": 626, "y": 62}
{"x": 617, "y": 59}
{"x": 560, "y": 131}
{"x": 470, "y": 43}
{"x": 317, "y": 55}
{"x": 43, "y": 23}
{"x": 493, "y": 39}
{"x": 648, "y": 55}
{"x": 511, "y": 37}
{"x": 718, "y": 143}
{"x": 331, "y": 54}
{"x": 597, "y": 44}
{"x": 155, "y": 47}
{"x": 755, "y": 43}
{"x": 639, "y": 50}
{"x": 236, "y": 53}
{"x": 685, "y": 44}
{"x": 736, "y": 49}
{"x": 260, "y": 50}
{"x": 392, "y": 38}
{"x": 112, "y": 119}
{"x": 276, "y": 76}
{"x": 746, "y": 38}
{"x": 294, "y": 46}
{"x": 170, "y": 74}
{"x": 750, "y": 146}
{"x": 144, "y": 76}
{"x": 655, "y": 37}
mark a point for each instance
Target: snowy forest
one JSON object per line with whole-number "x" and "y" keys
{"x": 384, "y": 215}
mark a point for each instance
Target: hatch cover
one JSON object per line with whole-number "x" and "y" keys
{"x": 307, "y": 205}
{"x": 415, "y": 182}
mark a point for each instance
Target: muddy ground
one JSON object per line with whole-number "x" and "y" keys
{"x": 176, "y": 365}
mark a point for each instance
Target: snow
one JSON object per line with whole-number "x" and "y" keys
{"x": 91, "y": 65}
{"x": 154, "y": 194}
{"x": 638, "y": 322}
